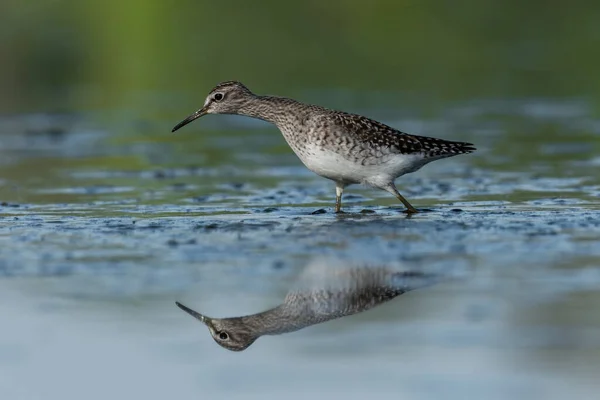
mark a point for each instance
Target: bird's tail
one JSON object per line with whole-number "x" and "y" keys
{"x": 439, "y": 148}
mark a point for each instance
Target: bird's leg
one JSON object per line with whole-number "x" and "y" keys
{"x": 339, "y": 189}
{"x": 409, "y": 208}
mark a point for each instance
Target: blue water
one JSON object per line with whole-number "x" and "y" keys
{"x": 100, "y": 234}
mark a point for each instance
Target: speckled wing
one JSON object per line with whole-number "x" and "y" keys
{"x": 377, "y": 135}
{"x": 380, "y": 136}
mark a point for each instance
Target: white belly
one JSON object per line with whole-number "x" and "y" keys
{"x": 336, "y": 167}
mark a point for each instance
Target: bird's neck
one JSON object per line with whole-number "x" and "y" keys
{"x": 275, "y": 321}
{"x": 269, "y": 108}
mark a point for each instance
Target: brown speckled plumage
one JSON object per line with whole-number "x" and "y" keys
{"x": 346, "y": 148}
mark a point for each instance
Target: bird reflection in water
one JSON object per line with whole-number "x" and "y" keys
{"x": 323, "y": 293}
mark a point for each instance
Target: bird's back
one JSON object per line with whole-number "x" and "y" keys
{"x": 381, "y": 138}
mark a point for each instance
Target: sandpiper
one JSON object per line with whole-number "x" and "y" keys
{"x": 331, "y": 293}
{"x": 346, "y": 148}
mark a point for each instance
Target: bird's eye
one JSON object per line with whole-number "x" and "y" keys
{"x": 223, "y": 335}
{"x": 218, "y": 96}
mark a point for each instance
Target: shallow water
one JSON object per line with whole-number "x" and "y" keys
{"x": 101, "y": 232}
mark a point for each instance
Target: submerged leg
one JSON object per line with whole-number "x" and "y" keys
{"x": 339, "y": 189}
{"x": 409, "y": 208}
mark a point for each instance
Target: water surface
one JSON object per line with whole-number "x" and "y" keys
{"x": 101, "y": 233}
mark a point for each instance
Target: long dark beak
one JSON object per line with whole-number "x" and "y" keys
{"x": 201, "y": 112}
{"x": 193, "y": 313}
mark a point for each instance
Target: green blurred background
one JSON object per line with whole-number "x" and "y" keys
{"x": 64, "y": 55}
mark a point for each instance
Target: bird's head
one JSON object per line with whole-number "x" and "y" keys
{"x": 230, "y": 333}
{"x": 225, "y": 98}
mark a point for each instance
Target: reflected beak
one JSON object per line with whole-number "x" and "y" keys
{"x": 201, "y": 112}
{"x": 194, "y": 314}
